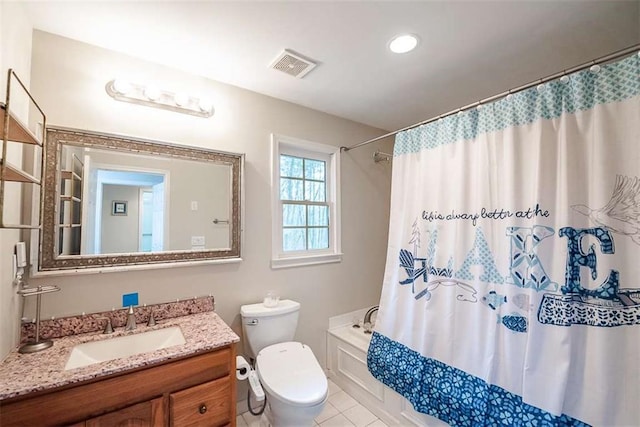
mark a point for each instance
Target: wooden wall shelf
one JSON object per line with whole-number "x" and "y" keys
{"x": 18, "y": 131}
{"x": 14, "y": 174}
{"x": 14, "y": 131}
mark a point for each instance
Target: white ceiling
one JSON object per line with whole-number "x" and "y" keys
{"x": 468, "y": 50}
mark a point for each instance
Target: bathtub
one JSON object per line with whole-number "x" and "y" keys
{"x": 355, "y": 336}
{"x": 347, "y": 366}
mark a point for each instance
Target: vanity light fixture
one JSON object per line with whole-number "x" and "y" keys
{"x": 152, "y": 96}
{"x": 403, "y": 43}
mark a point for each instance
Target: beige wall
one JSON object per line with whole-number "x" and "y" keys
{"x": 15, "y": 52}
{"x": 211, "y": 192}
{"x": 69, "y": 77}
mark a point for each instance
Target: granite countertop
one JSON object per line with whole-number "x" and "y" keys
{"x": 25, "y": 373}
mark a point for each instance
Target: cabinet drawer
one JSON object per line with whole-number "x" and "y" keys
{"x": 145, "y": 414}
{"x": 208, "y": 404}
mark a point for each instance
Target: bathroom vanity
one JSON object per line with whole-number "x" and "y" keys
{"x": 182, "y": 385}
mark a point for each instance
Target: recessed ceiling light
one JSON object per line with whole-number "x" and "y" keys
{"x": 403, "y": 43}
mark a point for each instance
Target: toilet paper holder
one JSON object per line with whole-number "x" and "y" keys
{"x": 242, "y": 368}
{"x": 245, "y": 371}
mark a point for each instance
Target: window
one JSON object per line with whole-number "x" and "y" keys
{"x": 305, "y": 209}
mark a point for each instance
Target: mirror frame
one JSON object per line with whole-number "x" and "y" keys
{"x": 56, "y": 136}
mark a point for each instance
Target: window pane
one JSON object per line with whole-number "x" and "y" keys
{"x": 314, "y": 169}
{"x": 318, "y": 215}
{"x": 290, "y": 166}
{"x": 293, "y": 239}
{"x": 291, "y": 189}
{"x": 318, "y": 238}
{"x": 314, "y": 191}
{"x": 293, "y": 215}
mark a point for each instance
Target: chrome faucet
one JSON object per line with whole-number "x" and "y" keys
{"x": 367, "y": 319}
{"x": 131, "y": 320}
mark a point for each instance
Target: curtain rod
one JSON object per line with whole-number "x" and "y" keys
{"x": 610, "y": 57}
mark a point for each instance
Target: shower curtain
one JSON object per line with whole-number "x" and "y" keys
{"x": 511, "y": 293}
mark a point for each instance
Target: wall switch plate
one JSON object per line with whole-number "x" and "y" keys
{"x": 194, "y": 205}
{"x": 21, "y": 254}
{"x": 129, "y": 299}
{"x": 197, "y": 240}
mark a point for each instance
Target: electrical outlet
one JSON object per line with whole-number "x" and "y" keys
{"x": 197, "y": 240}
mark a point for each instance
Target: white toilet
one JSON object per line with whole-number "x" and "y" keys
{"x": 294, "y": 383}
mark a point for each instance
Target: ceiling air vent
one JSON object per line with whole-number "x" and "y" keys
{"x": 292, "y": 64}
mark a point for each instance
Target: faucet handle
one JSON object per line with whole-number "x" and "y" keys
{"x": 152, "y": 320}
{"x": 108, "y": 328}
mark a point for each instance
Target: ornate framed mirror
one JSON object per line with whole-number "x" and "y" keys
{"x": 113, "y": 201}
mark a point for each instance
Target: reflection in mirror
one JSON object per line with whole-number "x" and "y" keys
{"x": 127, "y": 212}
{"x": 124, "y": 201}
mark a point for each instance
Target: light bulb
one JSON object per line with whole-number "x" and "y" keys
{"x": 205, "y": 105}
{"x": 123, "y": 87}
{"x": 152, "y": 92}
{"x": 181, "y": 99}
{"x": 403, "y": 44}
{"x": 595, "y": 68}
{"x": 564, "y": 79}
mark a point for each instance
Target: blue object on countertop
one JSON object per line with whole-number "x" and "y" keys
{"x": 129, "y": 299}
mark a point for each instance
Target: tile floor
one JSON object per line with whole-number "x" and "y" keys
{"x": 341, "y": 410}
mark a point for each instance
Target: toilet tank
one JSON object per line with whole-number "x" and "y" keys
{"x": 264, "y": 326}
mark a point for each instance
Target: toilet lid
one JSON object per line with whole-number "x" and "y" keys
{"x": 291, "y": 372}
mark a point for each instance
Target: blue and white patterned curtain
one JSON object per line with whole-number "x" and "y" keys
{"x": 512, "y": 287}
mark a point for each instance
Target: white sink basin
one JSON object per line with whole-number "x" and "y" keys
{"x": 116, "y": 348}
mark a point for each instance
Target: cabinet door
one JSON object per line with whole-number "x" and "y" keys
{"x": 145, "y": 414}
{"x": 207, "y": 404}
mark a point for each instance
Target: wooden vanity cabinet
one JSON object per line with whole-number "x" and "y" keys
{"x": 195, "y": 391}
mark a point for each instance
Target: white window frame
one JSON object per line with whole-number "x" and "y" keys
{"x": 281, "y": 144}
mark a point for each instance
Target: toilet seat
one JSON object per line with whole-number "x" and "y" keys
{"x": 290, "y": 372}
